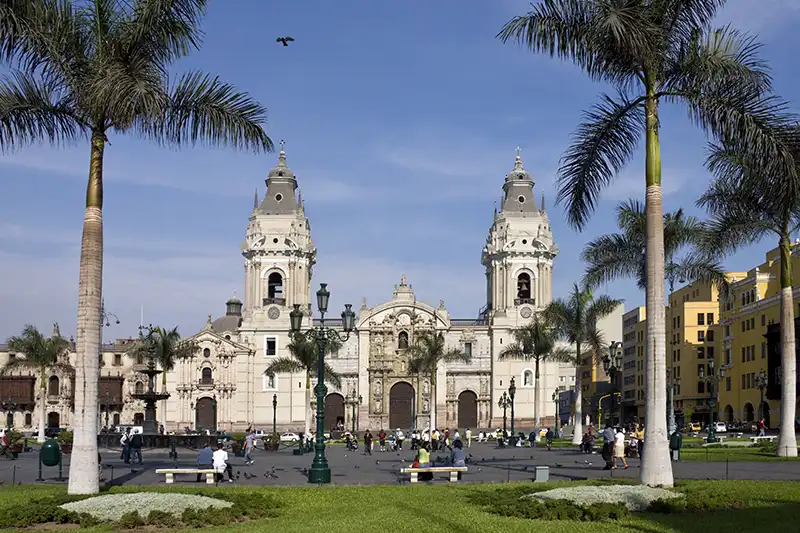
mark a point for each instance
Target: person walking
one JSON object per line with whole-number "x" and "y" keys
{"x": 609, "y": 436}
{"x": 125, "y": 441}
{"x": 136, "y": 446}
{"x": 640, "y": 437}
{"x": 762, "y": 428}
{"x": 249, "y": 445}
{"x": 549, "y": 438}
{"x": 619, "y": 449}
{"x": 367, "y": 443}
{"x": 468, "y": 436}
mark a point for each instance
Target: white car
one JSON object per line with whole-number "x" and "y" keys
{"x": 289, "y": 437}
{"x": 720, "y": 427}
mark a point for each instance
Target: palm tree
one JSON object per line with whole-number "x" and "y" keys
{"x": 537, "y": 341}
{"x": 576, "y": 318}
{"x": 304, "y": 355}
{"x": 750, "y": 198}
{"x": 41, "y": 353}
{"x": 92, "y": 68}
{"x": 622, "y": 255}
{"x": 650, "y": 51}
{"x": 428, "y": 351}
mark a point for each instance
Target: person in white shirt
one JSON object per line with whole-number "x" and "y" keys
{"x": 619, "y": 449}
{"x": 220, "y": 462}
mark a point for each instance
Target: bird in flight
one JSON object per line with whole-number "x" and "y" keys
{"x": 284, "y": 40}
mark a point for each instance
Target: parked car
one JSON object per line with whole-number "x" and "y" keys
{"x": 695, "y": 427}
{"x": 289, "y": 437}
{"x": 720, "y": 427}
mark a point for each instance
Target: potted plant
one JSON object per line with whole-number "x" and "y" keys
{"x": 272, "y": 442}
{"x": 65, "y": 440}
{"x": 16, "y": 443}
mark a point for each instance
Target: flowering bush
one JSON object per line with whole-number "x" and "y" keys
{"x": 112, "y": 507}
{"x": 635, "y": 498}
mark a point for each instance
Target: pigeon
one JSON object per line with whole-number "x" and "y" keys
{"x": 284, "y": 40}
{"x": 377, "y": 462}
{"x": 559, "y": 465}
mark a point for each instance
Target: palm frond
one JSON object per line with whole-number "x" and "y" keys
{"x": 284, "y": 365}
{"x": 332, "y": 377}
{"x": 167, "y": 29}
{"x": 699, "y": 267}
{"x": 602, "y": 145}
{"x": 611, "y": 257}
{"x": 204, "y": 109}
{"x": 511, "y": 351}
{"x": 32, "y": 110}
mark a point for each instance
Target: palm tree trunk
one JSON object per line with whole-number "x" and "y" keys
{"x": 787, "y": 442}
{"x": 577, "y": 425}
{"x": 433, "y": 399}
{"x": 83, "y": 472}
{"x": 656, "y": 469}
{"x": 536, "y": 398}
{"x": 42, "y": 407}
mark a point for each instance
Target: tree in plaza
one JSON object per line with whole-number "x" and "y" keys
{"x": 622, "y": 255}
{"x": 651, "y": 52}
{"x": 428, "y": 351}
{"x": 537, "y": 341}
{"x": 575, "y": 318}
{"x": 42, "y": 353}
{"x": 753, "y": 196}
{"x": 81, "y": 69}
{"x": 303, "y": 358}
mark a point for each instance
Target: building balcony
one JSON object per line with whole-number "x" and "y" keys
{"x": 524, "y": 301}
{"x": 273, "y": 301}
{"x": 205, "y": 384}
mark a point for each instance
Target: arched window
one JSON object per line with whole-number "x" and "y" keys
{"x": 208, "y": 377}
{"x": 138, "y": 388}
{"x": 524, "y": 287}
{"x": 402, "y": 340}
{"x": 206, "y": 353}
{"x": 527, "y": 378}
{"x": 275, "y": 286}
{"x": 53, "y": 386}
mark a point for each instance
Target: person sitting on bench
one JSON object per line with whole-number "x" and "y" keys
{"x": 457, "y": 457}
{"x": 221, "y": 465}
{"x": 205, "y": 459}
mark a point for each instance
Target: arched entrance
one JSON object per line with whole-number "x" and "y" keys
{"x": 334, "y": 410}
{"x": 749, "y": 413}
{"x": 765, "y": 415}
{"x": 728, "y": 413}
{"x": 467, "y": 410}
{"x": 401, "y": 402}
{"x": 206, "y": 414}
{"x": 53, "y": 419}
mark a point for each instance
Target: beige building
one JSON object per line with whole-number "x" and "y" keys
{"x": 224, "y": 383}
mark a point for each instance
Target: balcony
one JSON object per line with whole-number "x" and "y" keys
{"x": 523, "y": 301}
{"x": 273, "y": 301}
{"x": 205, "y": 384}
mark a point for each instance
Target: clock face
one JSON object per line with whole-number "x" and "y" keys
{"x": 526, "y": 312}
{"x": 273, "y": 313}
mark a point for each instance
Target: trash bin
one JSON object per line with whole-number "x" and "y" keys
{"x": 50, "y": 454}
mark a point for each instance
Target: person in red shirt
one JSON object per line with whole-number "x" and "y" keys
{"x": 382, "y": 440}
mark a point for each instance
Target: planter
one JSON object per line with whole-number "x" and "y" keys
{"x": 66, "y": 448}
{"x": 16, "y": 449}
{"x": 271, "y": 446}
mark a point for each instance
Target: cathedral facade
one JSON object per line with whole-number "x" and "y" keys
{"x": 224, "y": 384}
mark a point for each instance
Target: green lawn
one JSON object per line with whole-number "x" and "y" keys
{"x": 771, "y": 506}
{"x": 721, "y": 454}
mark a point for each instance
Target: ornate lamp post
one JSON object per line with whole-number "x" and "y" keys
{"x": 555, "y": 401}
{"x": 713, "y": 380}
{"x": 274, "y": 413}
{"x": 354, "y": 400}
{"x": 672, "y": 382}
{"x": 320, "y": 472}
{"x": 504, "y": 404}
{"x": 612, "y": 364}
{"x": 512, "y": 391}
{"x": 761, "y": 383}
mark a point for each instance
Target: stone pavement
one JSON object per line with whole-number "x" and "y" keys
{"x": 490, "y": 465}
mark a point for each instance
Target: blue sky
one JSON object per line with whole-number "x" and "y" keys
{"x": 400, "y": 120}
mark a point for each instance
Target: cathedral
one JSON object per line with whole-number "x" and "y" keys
{"x": 225, "y": 386}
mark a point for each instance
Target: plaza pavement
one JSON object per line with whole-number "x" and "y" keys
{"x": 489, "y": 465}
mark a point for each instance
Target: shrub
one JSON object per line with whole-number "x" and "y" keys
{"x": 130, "y": 520}
{"x": 511, "y": 502}
{"x": 65, "y": 437}
{"x": 160, "y": 518}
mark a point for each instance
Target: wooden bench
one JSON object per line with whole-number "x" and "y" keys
{"x": 452, "y": 470}
{"x": 170, "y": 473}
{"x": 771, "y": 438}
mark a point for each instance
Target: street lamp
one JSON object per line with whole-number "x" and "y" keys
{"x": 512, "y": 391}
{"x": 713, "y": 379}
{"x": 320, "y": 471}
{"x": 612, "y": 364}
{"x": 672, "y": 382}
{"x": 555, "y": 401}
{"x": 354, "y": 400}
{"x": 761, "y": 383}
{"x": 274, "y": 413}
{"x": 504, "y": 404}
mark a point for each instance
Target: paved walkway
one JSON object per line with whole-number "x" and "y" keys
{"x": 489, "y": 465}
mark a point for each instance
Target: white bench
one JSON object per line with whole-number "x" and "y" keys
{"x": 170, "y": 473}
{"x": 452, "y": 470}
{"x": 771, "y": 438}
{"x": 720, "y": 438}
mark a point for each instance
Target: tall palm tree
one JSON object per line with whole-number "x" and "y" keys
{"x": 576, "y": 318}
{"x": 537, "y": 341}
{"x": 650, "y": 51}
{"x": 303, "y": 358}
{"x": 42, "y": 353}
{"x": 428, "y": 351}
{"x": 622, "y": 255}
{"x": 90, "y": 68}
{"x": 751, "y": 198}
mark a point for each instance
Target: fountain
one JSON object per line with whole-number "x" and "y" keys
{"x": 150, "y": 396}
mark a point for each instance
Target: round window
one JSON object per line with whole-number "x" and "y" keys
{"x": 524, "y": 241}
{"x": 521, "y": 199}
{"x": 278, "y": 197}
{"x": 275, "y": 240}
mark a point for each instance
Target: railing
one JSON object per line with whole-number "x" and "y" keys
{"x": 523, "y": 301}
{"x": 275, "y": 301}
{"x": 205, "y": 383}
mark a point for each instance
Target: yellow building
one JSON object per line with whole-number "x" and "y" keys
{"x": 595, "y": 381}
{"x": 750, "y": 342}
{"x": 634, "y": 324}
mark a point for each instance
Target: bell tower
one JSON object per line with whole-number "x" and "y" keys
{"x": 519, "y": 251}
{"x": 278, "y": 251}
